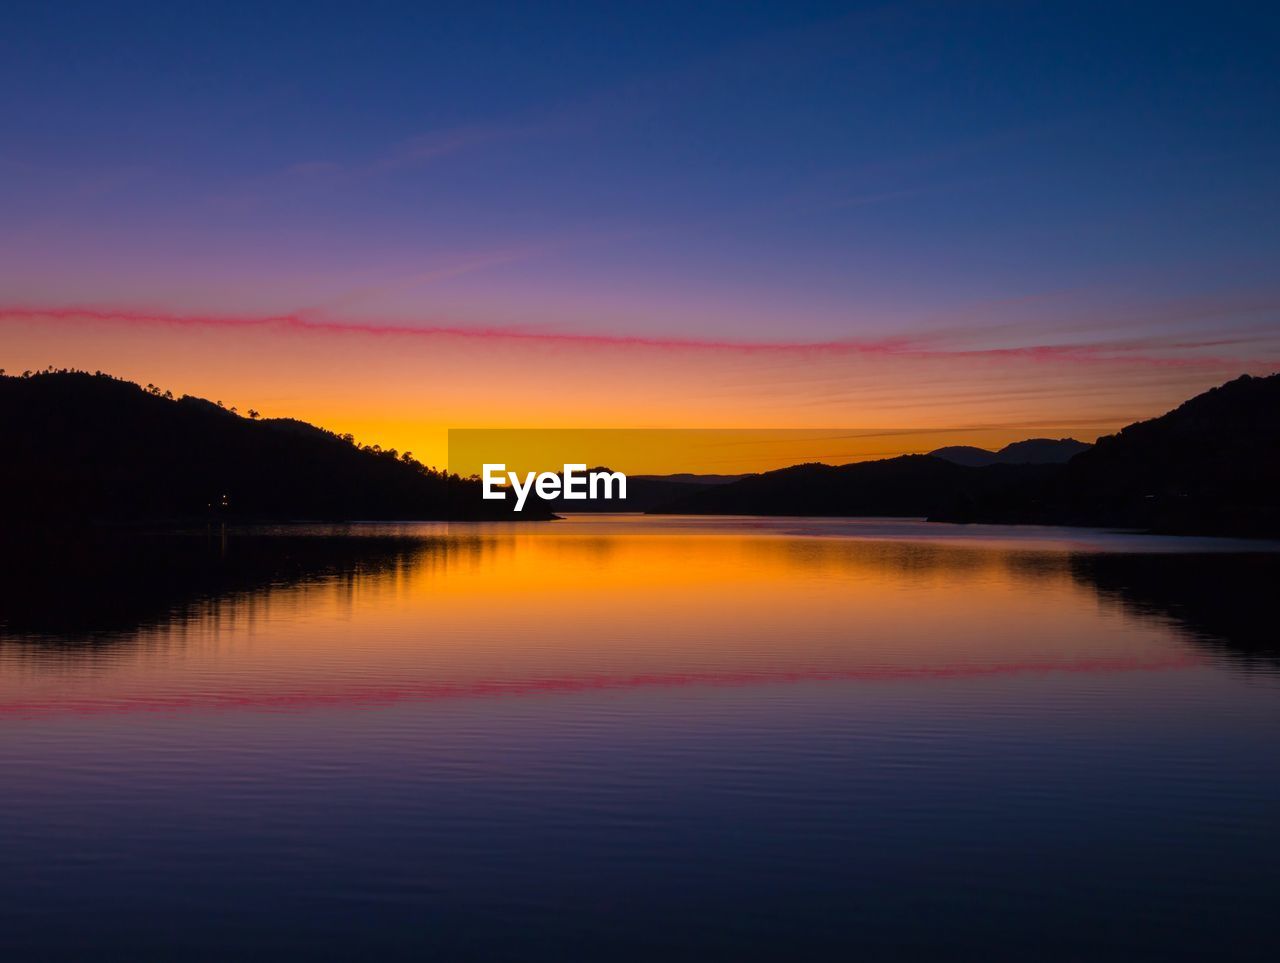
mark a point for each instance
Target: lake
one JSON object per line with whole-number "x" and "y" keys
{"x": 631, "y": 738}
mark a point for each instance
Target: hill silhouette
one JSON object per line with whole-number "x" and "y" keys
{"x": 88, "y": 447}
{"x": 1032, "y": 451}
{"x": 645, "y": 493}
{"x": 693, "y": 478}
{"x": 907, "y": 486}
{"x": 81, "y": 447}
{"x": 1210, "y": 466}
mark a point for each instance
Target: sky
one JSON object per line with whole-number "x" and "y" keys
{"x": 986, "y": 219}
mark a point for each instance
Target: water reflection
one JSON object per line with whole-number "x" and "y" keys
{"x": 1224, "y": 602}
{"x": 595, "y": 603}
{"x": 100, "y": 587}
{"x": 638, "y": 739}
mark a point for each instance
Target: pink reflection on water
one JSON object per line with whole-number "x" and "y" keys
{"x": 369, "y": 697}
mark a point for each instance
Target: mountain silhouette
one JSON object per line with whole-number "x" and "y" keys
{"x": 692, "y": 478}
{"x": 646, "y": 493}
{"x": 908, "y": 486}
{"x": 1210, "y": 466}
{"x": 1033, "y": 451}
{"x": 88, "y": 447}
{"x": 81, "y": 447}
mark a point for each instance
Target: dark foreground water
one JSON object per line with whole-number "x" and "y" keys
{"x": 640, "y": 739}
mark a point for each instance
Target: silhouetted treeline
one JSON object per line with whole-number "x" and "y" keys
{"x": 1210, "y": 466}
{"x": 908, "y": 486}
{"x": 645, "y": 493}
{"x": 80, "y": 446}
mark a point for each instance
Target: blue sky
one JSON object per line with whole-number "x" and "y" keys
{"x": 987, "y": 176}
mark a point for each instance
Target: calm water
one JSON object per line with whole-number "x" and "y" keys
{"x": 651, "y": 739}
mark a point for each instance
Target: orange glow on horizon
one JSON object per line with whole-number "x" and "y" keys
{"x": 406, "y": 392}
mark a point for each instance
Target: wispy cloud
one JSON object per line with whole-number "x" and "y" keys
{"x": 302, "y": 322}
{"x": 417, "y": 279}
{"x": 415, "y": 151}
{"x": 1153, "y": 351}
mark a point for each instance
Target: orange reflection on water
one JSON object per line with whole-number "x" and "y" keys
{"x": 605, "y": 604}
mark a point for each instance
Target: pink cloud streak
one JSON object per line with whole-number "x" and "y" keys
{"x": 1132, "y": 352}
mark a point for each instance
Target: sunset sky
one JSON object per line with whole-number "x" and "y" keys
{"x": 993, "y": 219}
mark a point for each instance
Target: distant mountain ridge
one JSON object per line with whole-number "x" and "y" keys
{"x": 646, "y": 493}
{"x": 81, "y": 446}
{"x": 693, "y": 478}
{"x": 907, "y": 486}
{"x": 1032, "y": 451}
{"x": 89, "y": 447}
{"x": 1210, "y": 466}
